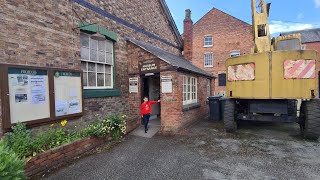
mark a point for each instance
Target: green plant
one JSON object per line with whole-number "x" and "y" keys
{"x": 11, "y": 166}
{"x": 117, "y": 125}
{"x": 20, "y": 140}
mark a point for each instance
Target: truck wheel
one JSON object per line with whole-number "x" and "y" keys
{"x": 230, "y": 123}
{"x": 310, "y": 124}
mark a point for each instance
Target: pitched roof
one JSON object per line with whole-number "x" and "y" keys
{"x": 172, "y": 59}
{"x": 213, "y": 9}
{"x": 172, "y": 22}
{"x": 307, "y": 36}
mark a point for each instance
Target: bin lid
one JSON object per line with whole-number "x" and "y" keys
{"x": 214, "y": 97}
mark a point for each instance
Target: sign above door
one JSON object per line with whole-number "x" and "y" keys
{"x": 149, "y": 66}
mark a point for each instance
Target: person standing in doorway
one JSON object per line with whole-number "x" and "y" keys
{"x": 146, "y": 110}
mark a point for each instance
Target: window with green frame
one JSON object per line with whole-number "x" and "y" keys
{"x": 96, "y": 62}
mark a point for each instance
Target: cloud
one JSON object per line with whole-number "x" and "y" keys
{"x": 280, "y": 26}
{"x": 317, "y": 3}
{"x": 300, "y": 16}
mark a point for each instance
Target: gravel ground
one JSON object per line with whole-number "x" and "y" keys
{"x": 204, "y": 151}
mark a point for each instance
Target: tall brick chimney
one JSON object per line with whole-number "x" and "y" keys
{"x": 187, "y": 35}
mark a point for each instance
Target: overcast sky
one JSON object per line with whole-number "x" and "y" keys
{"x": 285, "y": 15}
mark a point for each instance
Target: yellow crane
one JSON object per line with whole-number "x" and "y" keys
{"x": 266, "y": 84}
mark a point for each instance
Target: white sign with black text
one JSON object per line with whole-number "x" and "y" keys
{"x": 133, "y": 85}
{"x": 166, "y": 84}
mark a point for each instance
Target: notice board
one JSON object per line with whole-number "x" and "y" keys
{"x": 68, "y": 93}
{"x": 39, "y": 95}
{"x": 28, "y": 94}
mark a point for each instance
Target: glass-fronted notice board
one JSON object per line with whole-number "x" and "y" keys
{"x": 28, "y": 94}
{"x": 39, "y": 95}
{"x": 68, "y": 93}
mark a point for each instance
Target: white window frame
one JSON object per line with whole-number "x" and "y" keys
{"x": 235, "y": 53}
{"x": 96, "y": 65}
{"x": 190, "y": 90}
{"x": 205, "y": 41}
{"x": 206, "y": 62}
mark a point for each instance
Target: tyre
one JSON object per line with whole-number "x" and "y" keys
{"x": 310, "y": 119}
{"x": 229, "y": 119}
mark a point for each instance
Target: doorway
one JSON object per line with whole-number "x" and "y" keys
{"x": 151, "y": 89}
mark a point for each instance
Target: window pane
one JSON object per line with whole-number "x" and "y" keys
{"x": 189, "y": 88}
{"x": 92, "y": 79}
{"x": 92, "y": 67}
{"x": 84, "y": 40}
{"x": 85, "y": 79}
{"x": 108, "y": 80}
{"x": 188, "y": 96}
{"x": 102, "y": 57}
{"x": 84, "y": 53}
{"x": 189, "y": 81}
{"x": 108, "y": 69}
{"x": 101, "y": 45}
{"x": 109, "y": 58}
{"x": 100, "y": 79}
{"x": 93, "y": 44}
{"x": 184, "y": 88}
{"x": 93, "y": 55}
{"x": 109, "y": 46}
{"x": 100, "y": 68}
{"x": 84, "y": 66}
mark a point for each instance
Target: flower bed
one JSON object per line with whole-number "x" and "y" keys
{"x": 57, "y": 144}
{"x": 62, "y": 154}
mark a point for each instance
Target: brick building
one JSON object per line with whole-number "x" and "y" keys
{"x": 310, "y": 38}
{"x": 108, "y": 42}
{"x": 216, "y": 37}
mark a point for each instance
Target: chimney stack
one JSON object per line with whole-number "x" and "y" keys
{"x": 187, "y": 35}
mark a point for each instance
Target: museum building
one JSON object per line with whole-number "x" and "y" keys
{"x": 83, "y": 60}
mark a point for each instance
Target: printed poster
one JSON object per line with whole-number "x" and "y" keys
{"x": 61, "y": 108}
{"x": 38, "y": 89}
{"x": 74, "y": 106}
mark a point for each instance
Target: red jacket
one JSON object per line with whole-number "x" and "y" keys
{"x": 146, "y": 107}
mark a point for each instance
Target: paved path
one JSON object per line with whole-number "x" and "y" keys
{"x": 204, "y": 151}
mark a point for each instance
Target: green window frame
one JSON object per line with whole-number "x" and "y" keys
{"x": 101, "y": 92}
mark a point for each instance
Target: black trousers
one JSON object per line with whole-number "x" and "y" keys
{"x": 146, "y": 118}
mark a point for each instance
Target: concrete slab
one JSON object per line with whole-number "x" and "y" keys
{"x": 140, "y": 131}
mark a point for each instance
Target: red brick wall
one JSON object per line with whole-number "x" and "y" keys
{"x": 61, "y": 155}
{"x": 228, "y": 34}
{"x": 313, "y": 46}
{"x": 40, "y": 33}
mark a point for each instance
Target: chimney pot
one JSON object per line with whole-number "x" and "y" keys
{"x": 188, "y": 14}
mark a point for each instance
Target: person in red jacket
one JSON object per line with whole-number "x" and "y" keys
{"x": 146, "y": 110}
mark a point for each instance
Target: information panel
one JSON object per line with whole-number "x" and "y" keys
{"x": 28, "y": 94}
{"x": 68, "y": 93}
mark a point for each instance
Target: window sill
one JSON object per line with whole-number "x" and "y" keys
{"x": 208, "y": 66}
{"x": 208, "y": 46}
{"x": 190, "y": 107}
{"x": 99, "y": 93}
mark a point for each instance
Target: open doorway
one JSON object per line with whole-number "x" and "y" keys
{"x": 151, "y": 88}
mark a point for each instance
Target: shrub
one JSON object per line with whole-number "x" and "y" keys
{"x": 11, "y": 167}
{"x": 117, "y": 125}
{"x": 20, "y": 140}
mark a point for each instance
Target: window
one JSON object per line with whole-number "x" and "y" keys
{"x": 96, "y": 62}
{"x": 208, "y": 60}
{"x": 189, "y": 90}
{"x": 235, "y": 53}
{"x": 208, "y": 88}
{"x": 303, "y": 47}
{"x": 222, "y": 79}
{"x": 207, "y": 41}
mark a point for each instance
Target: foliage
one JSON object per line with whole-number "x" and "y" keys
{"x": 11, "y": 166}
{"x": 21, "y": 141}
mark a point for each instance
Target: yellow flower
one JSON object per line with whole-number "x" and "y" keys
{"x": 63, "y": 123}
{"x": 51, "y": 125}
